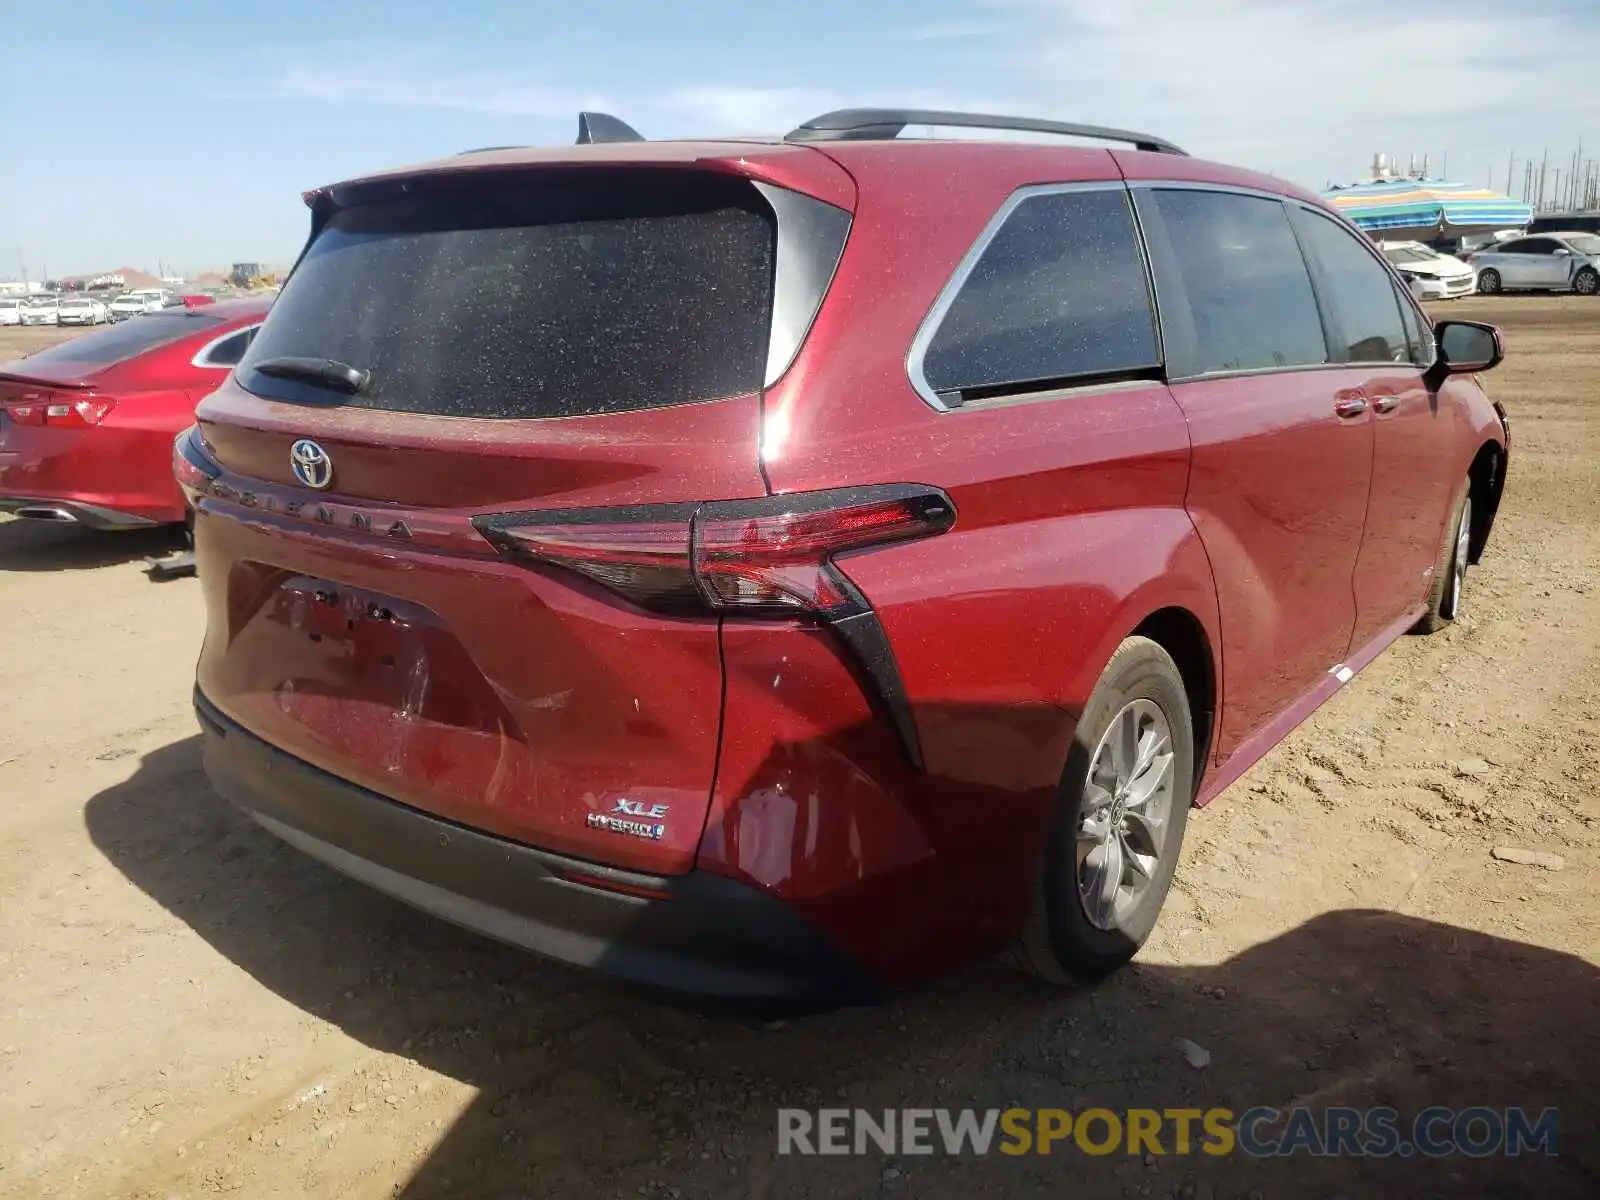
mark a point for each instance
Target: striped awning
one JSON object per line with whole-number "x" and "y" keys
{"x": 1427, "y": 208}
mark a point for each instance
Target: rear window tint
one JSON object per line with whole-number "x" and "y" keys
{"x": 1058, "y": 293}
{"x": 117, "y": 342}
{"x": 535, "y": 297}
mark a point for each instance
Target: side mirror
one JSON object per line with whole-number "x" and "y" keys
{"x": 1563, "y": 252}
{"x": 1466, "y": 347}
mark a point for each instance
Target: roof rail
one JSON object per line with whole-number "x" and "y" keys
{"x": 863, "y": 124}
{"x": 603, "y": 127}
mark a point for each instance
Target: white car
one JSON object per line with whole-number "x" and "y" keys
{"x": 1547, "y": 262}
{"x": 155, "y": 298}
{"x": 10, "y": 310}
{"x": 40, "y": 310}
{"x": 133, "y": 304}
{"x": 81, "y": 310}
{"x": 1431, "y": 275}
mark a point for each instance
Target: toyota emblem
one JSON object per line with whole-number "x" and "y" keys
{"x": 311, "y": 464}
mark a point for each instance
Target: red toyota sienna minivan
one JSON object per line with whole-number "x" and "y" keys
{"x": 779, "y": 570}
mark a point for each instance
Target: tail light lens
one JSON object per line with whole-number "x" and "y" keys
{"x": 776, "y": 555}
{"x": 772, "y": 556}
{"x": 62, "y": 411}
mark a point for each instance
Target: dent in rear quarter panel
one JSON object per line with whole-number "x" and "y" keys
{"x": 1070, "y": 531}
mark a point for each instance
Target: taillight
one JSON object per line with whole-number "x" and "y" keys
{"x": 192, "y": 465}
{"x": 774, "y": 556}
{"x": 63, "y": 412}
{"x": 641, "y": 553}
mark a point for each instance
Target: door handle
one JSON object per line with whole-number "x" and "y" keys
{"x": 1385, "y": 404}
{"x": 1350, "y": 406}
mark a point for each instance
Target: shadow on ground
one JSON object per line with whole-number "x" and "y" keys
{"x": 42, "y": 546}
{"x": 587, "y": 1089}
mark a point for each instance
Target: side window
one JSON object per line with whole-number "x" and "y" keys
{"x": 1059, "y": 293}
{"x": 1235, "y": 294}
{"x": 1360, "y": 291}
{"x": 1419, "y": 334}
{"x": 230, "y": 350}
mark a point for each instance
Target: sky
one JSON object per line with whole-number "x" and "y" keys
{"x": 138, "y": 132}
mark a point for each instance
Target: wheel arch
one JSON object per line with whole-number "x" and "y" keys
{"x": 1183, "y": 636}
{"x": 1485, "y": 482}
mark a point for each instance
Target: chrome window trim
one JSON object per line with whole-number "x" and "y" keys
{"x": 200, "y": 355}
{"x": 969, "y": 261}
{"x": 1199, "y": 185}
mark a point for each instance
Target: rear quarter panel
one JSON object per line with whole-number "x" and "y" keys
{"x": 1071, "y": 530}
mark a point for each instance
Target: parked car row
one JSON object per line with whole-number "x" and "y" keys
{"x": 854, "y": 559}
{"x": 77, "y": 308}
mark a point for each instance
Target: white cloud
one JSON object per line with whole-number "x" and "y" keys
{"x": 711, "y": 109}
{"x": 1310, "y": 89}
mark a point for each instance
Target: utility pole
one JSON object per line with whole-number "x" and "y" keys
{"x": 1511, "y": 161}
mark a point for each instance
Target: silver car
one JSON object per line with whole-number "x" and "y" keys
{"x": 1546, "y": 262}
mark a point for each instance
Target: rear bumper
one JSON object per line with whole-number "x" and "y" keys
{"x": 696, "y": 936}
{"x": 113, "y": 476}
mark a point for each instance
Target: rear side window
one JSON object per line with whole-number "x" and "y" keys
{"x": 1360, "y": 291}
{"x": 536, "y": 297}
{"x": 1059, "y": 293}
{"x": 117, "y": 342}
{"x": 1235, "y": 292}
{"x": 227, "y": 351}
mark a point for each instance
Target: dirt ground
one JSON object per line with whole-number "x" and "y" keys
{"x": 188, "y": 1008}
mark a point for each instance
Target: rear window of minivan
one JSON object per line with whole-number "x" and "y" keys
{"x": 534, "y": 296}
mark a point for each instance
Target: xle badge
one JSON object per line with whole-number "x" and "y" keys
{"x": 634, "y": 818}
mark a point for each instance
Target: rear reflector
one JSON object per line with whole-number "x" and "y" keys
{"x": 771, "y": 556}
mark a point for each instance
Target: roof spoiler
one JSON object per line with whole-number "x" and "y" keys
{"x": 603, "y": 127}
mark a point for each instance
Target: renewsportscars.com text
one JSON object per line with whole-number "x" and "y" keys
{"x": 1259, "y": 1132}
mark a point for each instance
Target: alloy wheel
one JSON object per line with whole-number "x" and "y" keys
{"x": 1126, "y": 810}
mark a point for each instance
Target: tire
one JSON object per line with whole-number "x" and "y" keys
{"x": 1450, "y": 570}
{"x": 1587, "y": 282}
{"x": 1072, "y": 933}
{"x": 1489, "y": 282}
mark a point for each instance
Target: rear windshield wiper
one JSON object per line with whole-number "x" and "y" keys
{"x": 329, "y": 372}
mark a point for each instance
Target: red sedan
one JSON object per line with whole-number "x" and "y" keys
{"x": 86, "y": 426}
